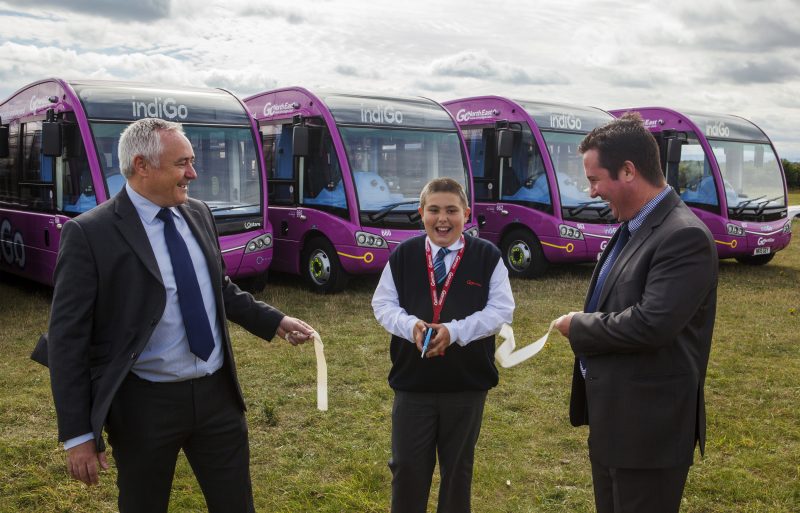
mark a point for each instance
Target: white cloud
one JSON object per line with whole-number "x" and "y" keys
{"x": 736, "y": 56}
{"x": 478, "y": 64}
{"x": 140, "y": 10}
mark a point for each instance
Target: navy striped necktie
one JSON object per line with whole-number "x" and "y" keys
{"x": 193, "y": 310}
{"x": 439, "y": 269}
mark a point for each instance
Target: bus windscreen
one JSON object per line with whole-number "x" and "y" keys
{"x": 752, "y": 175}
{"x": 573, "y": 188}
{"x": 391, "y": 166}
{"x": 228, "y": 175}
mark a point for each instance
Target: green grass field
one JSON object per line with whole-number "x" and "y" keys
{"x": 528, "y": 459}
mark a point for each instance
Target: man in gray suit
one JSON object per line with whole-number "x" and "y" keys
{"x": 642, "y": 342}
{"x": 138, "y": 338}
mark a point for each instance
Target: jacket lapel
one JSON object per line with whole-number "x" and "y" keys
{"x": 130, "y": 226}
{"x": 653, "y": 221}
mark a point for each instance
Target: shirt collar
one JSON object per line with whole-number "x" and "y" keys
{"x": 146, "y": 209}
{"x": 452, "y": 247}
{"x": 638, "y": 220}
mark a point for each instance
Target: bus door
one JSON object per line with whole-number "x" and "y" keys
{"x": 282, "y": 187}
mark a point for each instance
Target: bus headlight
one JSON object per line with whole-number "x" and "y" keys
{"x": 735, "y": 230}
{"x": 570, "y": 232}
{"x": 473, "y": 232}
{"x": 370, "y": 240}
{"x": 259, "y": 243}
{"x": 787, "y": 228}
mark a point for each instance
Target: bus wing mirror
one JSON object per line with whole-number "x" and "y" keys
{"x": 52, "y": 143}
{"x": 300, "y": 141}
{"x": 3, "y": 142}
{"x": 674, "y": 150}
{"x": 505, "y": 143}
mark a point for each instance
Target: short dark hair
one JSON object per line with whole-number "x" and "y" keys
{"x": 444, "y": 184}
{"x": 624, "y": 139}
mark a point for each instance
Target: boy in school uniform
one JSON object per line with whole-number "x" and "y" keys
{"x": 452, "y": 290}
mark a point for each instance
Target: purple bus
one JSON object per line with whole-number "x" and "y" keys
{"x": 58, "y": 158}
{"x": 344, "y": 174}
{"x": 726, "y": 169}
{"x": 532, "y": 197}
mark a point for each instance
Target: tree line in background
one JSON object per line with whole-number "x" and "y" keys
{"x": 792, "y": 170}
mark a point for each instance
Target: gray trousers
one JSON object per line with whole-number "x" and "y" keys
{"x": 427, "y": 424}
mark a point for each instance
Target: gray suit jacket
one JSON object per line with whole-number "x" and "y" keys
{"x": 107, "y": 300}
{"x": 646, "y": 348}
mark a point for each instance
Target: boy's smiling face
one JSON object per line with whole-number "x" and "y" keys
{"x": 443, "y": 216}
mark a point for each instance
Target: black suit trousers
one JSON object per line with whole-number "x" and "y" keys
{"x": 427, "y": 424}
{"x": 638, "y": 490}
{"x": 149, "y": 423}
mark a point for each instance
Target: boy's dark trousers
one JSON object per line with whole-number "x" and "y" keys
{"x": 427, "y": 423}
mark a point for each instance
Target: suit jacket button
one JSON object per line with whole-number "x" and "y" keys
{"x": 133, "y": 356}
{"x": 153, "y": 322}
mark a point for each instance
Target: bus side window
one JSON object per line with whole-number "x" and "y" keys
{"x": 322, "y": 185}
{"x": 76, "y": 191}
{"x": 36, "y": 186}
{"x": 480, "y": 145}
{"x": 9, "y": 172}
{"x": 279, "y": 162}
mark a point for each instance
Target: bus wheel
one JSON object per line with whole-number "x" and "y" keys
{"x": 321, "y": 268}
{"x": 523, "y": 254}
{"x": 755, "y": 259}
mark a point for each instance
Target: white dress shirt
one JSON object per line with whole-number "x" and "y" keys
{"x": 499, "y": 307}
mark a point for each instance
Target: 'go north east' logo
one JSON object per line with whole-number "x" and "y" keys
{"x": 272, "y": 109}
{"x": 467, "y": 115}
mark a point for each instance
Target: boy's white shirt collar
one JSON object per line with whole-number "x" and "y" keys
{"x": 452, "y": 247}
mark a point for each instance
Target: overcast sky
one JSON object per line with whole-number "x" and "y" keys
{"x": 736, "y": 56}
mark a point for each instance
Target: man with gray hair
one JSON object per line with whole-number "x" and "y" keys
{"x": 138, "y": 341}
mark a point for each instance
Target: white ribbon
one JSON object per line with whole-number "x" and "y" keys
{"x": 322, "y": 374}
{"x": 507, "y": 357}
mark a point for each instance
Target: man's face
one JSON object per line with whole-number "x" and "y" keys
{"x": 601, "y": 184}
{"x": 167, "y": 185}
{"x": 443, "y": 217}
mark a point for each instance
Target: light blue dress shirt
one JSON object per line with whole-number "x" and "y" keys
{"x": 167, "y": 356}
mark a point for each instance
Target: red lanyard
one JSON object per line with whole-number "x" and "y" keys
{"x": 438, "y": 302}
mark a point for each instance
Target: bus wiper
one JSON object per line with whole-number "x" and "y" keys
{"x": 380, "y": 214}
{"x": 762, "y": 205}
{"x": 739, "y": 208}
{"x": 580, "y": 207}
{"x": 233, "y": 207}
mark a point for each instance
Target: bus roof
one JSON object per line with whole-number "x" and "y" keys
{"x": 724, "y": 126}
{"x": 398, "y": 112}
{"x": 715, "y": 126}
{"x": 128, "y": 101}
{"x": 561, "y": 116}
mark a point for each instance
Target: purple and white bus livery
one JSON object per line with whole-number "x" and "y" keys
{"x": 58, "y": 158}
{"x": 726, "y": 169}
{"x": 345, "y": 172}
{"x": 532, "y": 197}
